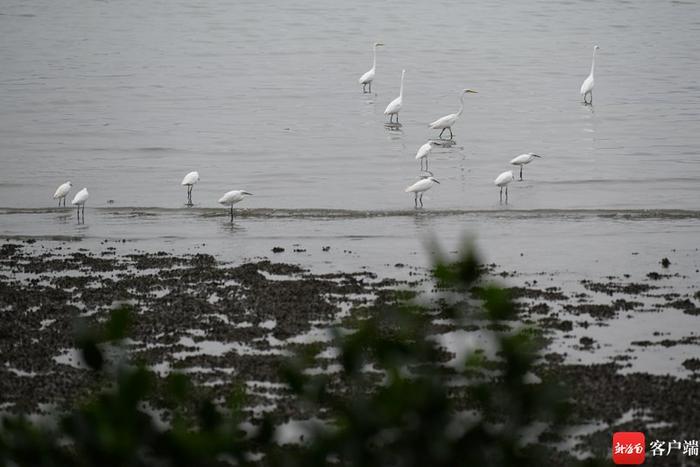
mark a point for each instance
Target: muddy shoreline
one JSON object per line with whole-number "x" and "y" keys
{"x": 231, "y": 324}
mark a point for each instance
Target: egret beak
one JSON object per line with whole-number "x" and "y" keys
{"x": 470, "y": 91}
{"x": 378, "y": 44}
{"x": 436, "y": 181}
{"x": 535, "y": 155}
{"x": 246, "y": 193}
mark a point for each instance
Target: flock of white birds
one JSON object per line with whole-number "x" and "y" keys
{"x": 392, "y": 110}
{"x": 427, "y": 181}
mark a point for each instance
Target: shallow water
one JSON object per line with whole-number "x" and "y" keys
{"x": 125, "y": 98}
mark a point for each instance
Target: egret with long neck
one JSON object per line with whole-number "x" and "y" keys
{"x": 368, "y": 77}
{"x": 394, "y": 106}
{"x": 589, "y": 82}
{"x": 446, "y": 122}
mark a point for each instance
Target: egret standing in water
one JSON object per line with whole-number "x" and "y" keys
{"x": 523, "y": 159}
{"x": 420, "y": 187}
{"x": 588, "y": 83}
{"x": 79, "y": 201}
{"x": 423, "y": 153}
{"x": 502, "y": 181}
{"x": 368, "y": 77}
{"x": 232, "y": 197}
{"x": 395, "y": 106}
{"x": 62, "y": 191}
{"x": 446, "y": 122}
{"x": 189, "y": 181}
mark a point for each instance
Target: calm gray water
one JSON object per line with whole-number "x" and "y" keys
{"x": 126, "y": 97}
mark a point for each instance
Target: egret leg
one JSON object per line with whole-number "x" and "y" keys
{"x": 500, "y": 196}
{"x": 443, "y": 130}
{"x": 426, "y": 163}
{"x": 415, "y": 200}
{"x": 521, "y": 172}
{"x": 64, "y": 201}
{"x": 397, "y": 118}
{"x": 421, "y": 200}
{"x": 232, "y": 213}
{"x": 450, "y": 128}
{"x": 506, "y": 194}
{"x": 370, "y": 87}
{"x": 59, "y": 202}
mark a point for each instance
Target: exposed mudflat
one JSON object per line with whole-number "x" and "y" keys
{"x": 230, "y": 324}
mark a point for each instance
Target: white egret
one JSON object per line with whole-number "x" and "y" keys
{"x": 420, "y": 187}
{"x": 589, "y": 82}
{"x": 394, "y": 106}
{"x": 523, "y": 159}
{"x": 502, "y": 181}
{"x": 368, "y": 77}
{"x": 189, "y": 181}
{"x": 446, "y": 122}
{"x": 423, "y": 153}
{"x": 79, "y": 201}
{"x": 62, "y": 191}
{"x": 232, "y": 197}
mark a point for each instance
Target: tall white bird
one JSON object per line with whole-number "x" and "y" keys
{"x": 502, "y": 181}
{"x": 232, "y": 197}
{"x": 589, "y": 82}
{"x": 446, "y": 122}
{"x": 420, "y": 187}
{"x": 189, "y": 181}
{"x": 368, "y": 77}
{"x": 62, "y": 191}
{"x": 394, "y": 106}
{"x": 79, "y": 201}
{"x": 423, "y": 153}
{"x": 523, "y": 159}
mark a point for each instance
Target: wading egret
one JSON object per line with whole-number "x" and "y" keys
{"x": 232, "y": 197}
{"x": 523, "y": 159}
{"x": 588, "y": 83}
{"x": 368, "y": 77}
{"x": 446, "y": 122}
{"x": 420, "y": 187}
{"x": 79, "y": 201}
{"x": 423, "y": 153}
{"x": 502, "y": 181}
{"x": 189, "y": 181}
{"x": 394, "y": 106}
{"x": 62, "y": 191}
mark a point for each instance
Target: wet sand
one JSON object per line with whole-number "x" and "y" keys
{"x": 234, "y": 323}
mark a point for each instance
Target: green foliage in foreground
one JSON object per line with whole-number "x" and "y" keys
{"x": 392, "y": 403}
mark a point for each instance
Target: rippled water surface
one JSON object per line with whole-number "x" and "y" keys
{"x": 126, "y": 97}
